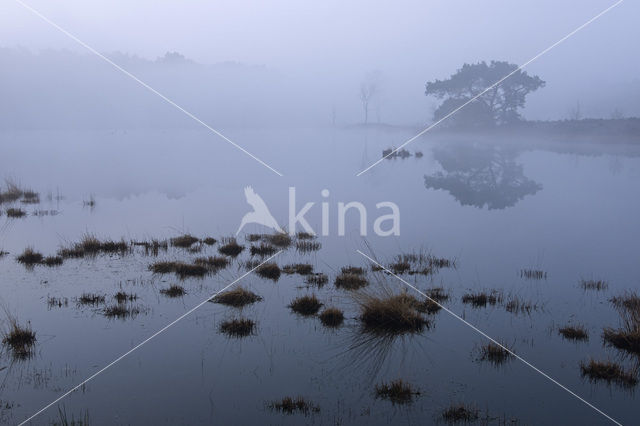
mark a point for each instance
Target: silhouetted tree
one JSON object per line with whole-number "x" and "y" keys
{"x": 498, "y": 105}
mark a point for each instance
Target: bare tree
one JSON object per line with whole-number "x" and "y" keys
{"x": 368, "y": 90}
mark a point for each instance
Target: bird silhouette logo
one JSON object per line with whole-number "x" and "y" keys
{"x": 260, "y": 214}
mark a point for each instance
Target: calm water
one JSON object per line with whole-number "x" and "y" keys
{"x": 496, "y": 207}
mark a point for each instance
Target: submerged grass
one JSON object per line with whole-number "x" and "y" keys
{"x": 15, "y": 213}
{"x": 281, "y": 240}
{"x": 460, "y": 413}
{"x": 397, "y": 391}
{"x": 350, "y": 281}
{"x": 52, "y": 261}
{"x": 181, "y": 269}
{"x": 262, "y": 250}
{"x": 481, "y": 299}
{"x": 609, "y": 372}
{"x": 306, "y": 305}
{"x": 91, "y": 299}
{"x": 332, "y": 317}
{"x": 238, "y": 297}
{"x": 298, "y": 268}
{"x": 597, "y": 285}
{"x": 306, "y": 246}
{"x": 90, "y": 245}
{"x": 213, "y": 262}
{"x": 318, "y": 279}
{"x": 173, "y": 291}
{"x": 120, "y": 311}
{"x": 533, "y": 274}
{"x": 292, "y": 405}
{"x": 238, "y": 327}
{"x": 495, "y": 354}
{"x": 574, "y": 332}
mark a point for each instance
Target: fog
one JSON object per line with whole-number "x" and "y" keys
{"x": 248, "y": 64}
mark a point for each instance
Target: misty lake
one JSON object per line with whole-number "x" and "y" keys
{"x": 496, "y": 209}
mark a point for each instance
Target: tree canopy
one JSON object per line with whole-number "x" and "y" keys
{"x": 499, "y": 105}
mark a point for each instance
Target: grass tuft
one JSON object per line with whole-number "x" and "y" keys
{"x": 609, "y": 372}
{"x": 396, "y": 391}
{"x": 351, "y": 281}
{"x": 289, "y": 405}
{"x": 20, "y": 339}
{"x": 269, "y": 270}
{"x": 231, "y": 248}
{"x": 332, "y": 317}
{"x": 29, "y": 257}
{"x": 238, "y": 327}
{"x": 574, "y": 332}
{"x": 238, "y": 297}
{"x": 173, "y": 291}
{"x": 460, "y": 413}
{"x": 306, "y": 305}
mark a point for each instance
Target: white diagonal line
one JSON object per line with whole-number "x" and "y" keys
{"x": 492, "y": 86}
{"x": 162, "y": 330}
{"x": 145, "y": 85}
{"x": 482, "y": 333}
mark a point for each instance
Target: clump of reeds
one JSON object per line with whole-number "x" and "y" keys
{"x": 627, "y": 337}
{"x": 30, "y": 197}
{"x": 318, "y": 279}
{"x": 481, "y": 299}
{"x": 306, "y": 246}
{"x": 356, "y": 270}
{"x": 269, "y": 270}
{"x": 305, "y": 236}
{"x": 209, "y": 241}
{"x": 495, "y": 354}
{"x": 52, "y": 261}
{"x": 332, "y": 317}
{"x": 609, "y": 372}
{"x": 173, "y": 291}
{"x": 533, "y": 274}
{"x": 397, "y": 391}
{"x": 11, "y": 193}
{"x": 238, "y": 297}
{"x": 15, "y": 213}
{"x": 351, "y": 281}
{"x": 152, "y": 247}
{"x": 306, "y": 305}
{"x": 91, "y": 299}
{"x": 20, "y": 339}
{"x": 213, "y": 262}
{"x": 252, "y": 238}
{"x": 597, "y": 285}
{"x": 230, "y": 247}
{"x": 516, "y": 305}
{"x": 390, "y": 313}
{"x": 238, "y": 327}
{"x": 298, "y": 268}
{"x": 30, "y": 257}
{"x": 400, "y": 267}
{"x": 460, "y": 413}
{"x": 438, "y": 294}
{"x": 184, "y": 241}
{"x": 181, "y": 269}
{"x": 574, "y": 332}
{"x": 57, "y": 302}
{"x": 428, "y": 306}
{"x": 262, "y": 250}
{"x": 120, "y": 311}
{"x": 289, "y": 405}
{"x": 279, "y": 239}
{"x": 90, "y": 245}
{"x": 122, "y": 297}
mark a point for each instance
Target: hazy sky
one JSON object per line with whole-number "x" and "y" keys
{"x": 409, "y": 41}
